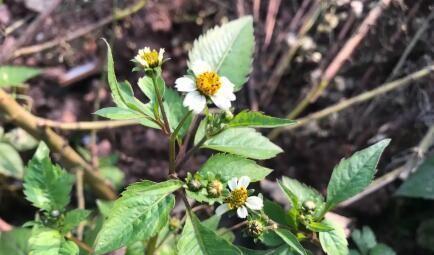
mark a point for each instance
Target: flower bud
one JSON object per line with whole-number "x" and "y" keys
{"x": 194, "y": 184}
{"x": 214, "y": 188}
{"x": 255, "y": 228}
{"x": 309, "y": 205}
{"x": 229, "y": 115}
{"x": 174, "y": 223}
{"x": 55, "y": 213}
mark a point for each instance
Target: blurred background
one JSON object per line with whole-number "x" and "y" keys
{"x": 352, "y": 47}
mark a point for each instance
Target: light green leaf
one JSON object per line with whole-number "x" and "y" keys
{"x": 176, "y": 111}
{"x": 258, "y": 120}
{"x": 113, "y": 174}
{"x": 147, "y": 86}
{"x": 228, "y": 49}
{"x": 212, "y": 222}
{"x": 319, "y": 227}
{"x": 141, "y": 212}
{"x": 425, "y": 234}
{"x": 73, "y": 218}
{"x": 117, "y": 113}
{"x": 334, "y": 242}
{"x": 197, "y": 239}
{"x": 291, "y": 240}
{"x": 10, "y": 162}
{"x": 15, "y": 242}
{"x": 244, "y": 142}
{"x": 229, "y": 166}
{"x": 137, "y": 248}
{"x": 298, "y": 193}
{"x": 201, "y": 131}
{"x": 46, "y": 241}
{"x": 382, "y": 249}
{"x": 202, "y": 197}
{"x": 352, "y": 175}
{"x": 46, "y": 185}
{"x": 20, "y": 139}
{"x": 421, "y": 183}
{"x": 11, "y": 76}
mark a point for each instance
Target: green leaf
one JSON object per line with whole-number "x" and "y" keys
{"x": 118, "y": 113}
{"x": 10, "y": 162}
{"x": 176, "y": 111}
{"x": 276, "y": 213}
{"x": 291, "y": 240}
{"x": 212, "y": 222}
{"x": 147, "y": 86}
{"x": 382, "y": 249}
{"x": 352, "y": 175}
{"x": 12, "y": 76}
{"x": 425, "y": 234}
{"x": 280, "y": 250}
{"x": 201, "y": 131}
{"x": 113, "y": 174}
{"x": 364, "y": 239}
{"x": 421, "y": 183}
{"x": 270, "y": 238}
{"x": 15, "y": 242}
{"x": 137, "y": 248}
{"x": 244, "y": 142}
{"x": 197, "y": 239}
{"x": 141, "y": 212}
{"x": 234, "y": 166}
{"x": 46, "y": 241}
{"x": 112, "y": 80}
{"x": 298, "y": 193}
{"x": 319, "y": 227}
{"x": 334, "y": 242}
{"x": 258, "y": 120}
{"x": 46, "y": 185}
{"x": 20, "y": 139}
{"x": 73, "y": 218}
{"x": 228, "y": 49}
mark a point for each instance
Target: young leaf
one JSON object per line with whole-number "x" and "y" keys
{"x": 46, "y": 241}
{"x": 15, "y": 242}
{"x": 352, "y": 175}
{"x": 147, "y": 86}
{"x": 244, "y": 142}
{"x": 298, "y": 193}
{"x": 228, "y": 49}
{"x": 10, "y": 162}
{"x": 319, "y": 227}
{"x": 334, "y": 242}
{"x": 11, "y": 76}
{"x": 141, "y": 212}
{"x": 258, "y": 120}
{"x": 421, "y": 183}
{"x": 73, "y": 218}
{"x": 229, "y": 166}
{"x": 118, "y": 113}
{"x": 291, "y": 240}
{"x": 197, "y": 239}
{"x": 46, "y": 185}
{"x": 382, "y": 249}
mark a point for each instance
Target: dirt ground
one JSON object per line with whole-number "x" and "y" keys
{"x": 311, "y": 151}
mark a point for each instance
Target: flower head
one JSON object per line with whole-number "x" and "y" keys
{"x": 239, "y": 198}
{"x": 206, "y": 83}
{"x": 150, "y": 58}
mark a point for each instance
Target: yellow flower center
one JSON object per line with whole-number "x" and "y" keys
{"x": 208, "y": 83}
{"x": 151, "y": 58}
{"x": 237, "y": 198}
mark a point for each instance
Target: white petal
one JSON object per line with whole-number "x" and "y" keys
{"x": 221, "y": 209}
{"x": 199, "y": 66}
{"x": 243, "y": 182}
{"x": 242, "y": 212}
{"x": 233, "y": 183}
{"x": 147, "y": 50}
{"x": 227, "y": 83}
{"x": 221, "y": 102}
{"x": 185, "y": 84}
{"x": 254, "y": 203}
{"x": 227, "y": 89}
{"x": 160, "y": 55}
{"x": 195, "y": 102}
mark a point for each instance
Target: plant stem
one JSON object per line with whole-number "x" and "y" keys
{"x": 81, "y": 244}
{"x": 151, "y": 245}
{"x": 160, "y": 102}
{"x": 172, "y": 144}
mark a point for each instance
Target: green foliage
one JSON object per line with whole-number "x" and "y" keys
{"x": 334, "y": 242}
{"x": 147, "y": 86}
{"x": 291, "y": 240}
{"x": 234, "y": 166}
{"x": 12, "y": 76}
{"x": 364, "y": 239}
{"x": 46, "y": 241}
{"x": 421, "y": 183}
{"x": 198, "y": 239}
{"x": 46, "y": 185}
{"x": 15, "y": 242}
{"x": 276, "y": 213}
{"x": 20, "y": 139}
{"x": 118, "y": 113}
{"x": 244, "y": 142}
{"x": 352, "y": 175}
{"x": 10, "y": 162}
{"x": 139, "y": 214}
{"x": 176, "y": 111}
{"x": 73, "y": 218}
{"x": 425, "y": 234}
{"x": 382, "y": 249}
{"x": 258, "y": 120}
{"x": 298, "y": 193}
{"x": 228, "y": 49}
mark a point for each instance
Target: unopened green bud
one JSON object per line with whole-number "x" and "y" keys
{"x": 194, "y": 184}
{"x": 309, "y": 205}
{"x": 55, "y": 213}
{"x": 214, "y": 188}
{"x": 255, "y": 228}
{"x": 228, "y": 115}
{"x": 174, "y": 223}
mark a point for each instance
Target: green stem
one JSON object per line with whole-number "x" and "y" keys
{"x": 151, "y": 245}
{"x": 160, "y": 102}
{"x": 172, "y": 144}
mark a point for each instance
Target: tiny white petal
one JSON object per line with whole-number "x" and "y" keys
{"x": 147, "y": 50}
{"x": 160, "y": 55}
{"x": 242, "y": 212}
{"x": 221, "y": 102}
{"x": 243, "y": 182}
{"x": 185, "y": 84}
{"x": 233, "y": 183}
{"x": 227, "y": 83}
{"x": 199, "y": 67}
{"x": 221, "y": 209}
{"x": 254, "y": 203}
{"x": 195, "y": 102}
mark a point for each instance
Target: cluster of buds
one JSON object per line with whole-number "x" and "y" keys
{"x": 212, "y": 186}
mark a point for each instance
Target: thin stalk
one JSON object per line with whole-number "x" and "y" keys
{"x": 172, "y": 144}
{"x": 160, "y": 103}
{"x": 151, "y": 245}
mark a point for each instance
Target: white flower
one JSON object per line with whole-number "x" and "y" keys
{"x": 150, "y": 58}
{"x": 239, "y": 198}
{"x": 206, "y": 83}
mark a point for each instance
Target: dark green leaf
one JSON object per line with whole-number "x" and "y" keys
{"x": 425, "y": 234}
{"x": 421, "y": 183}
{"x": 15, "y": 242}
{"x": 364, "y": 239}
{"x": 258, "y": 120}
{"x": 118, "y": 113}
{"x": 276, "y": 213}
{"x": 10, "y": 162}
{"x": 298, "y": 193}
{"x": 11, "y": 76}
{"x": 291, "y": 240}
{"x": 73, "y": 218}
{"x": 281, "y": 250}
{"x": 382, "y": 249}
